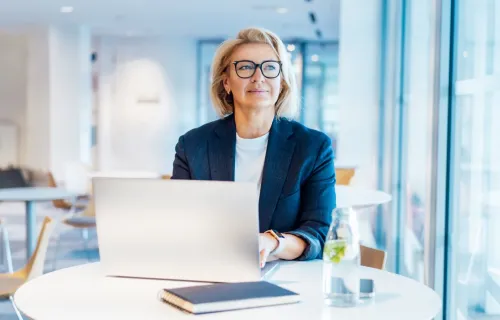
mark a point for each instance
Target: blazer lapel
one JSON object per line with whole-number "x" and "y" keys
{"x": 279, "y": 154}
{"x": 221, "y": 150}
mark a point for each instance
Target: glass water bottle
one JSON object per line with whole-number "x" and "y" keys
{"x": 341, "y": 260}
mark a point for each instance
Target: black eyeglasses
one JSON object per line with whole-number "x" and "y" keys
{"x": 246, "y": 68}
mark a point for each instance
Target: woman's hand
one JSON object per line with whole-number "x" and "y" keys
{"x": 267, "y": 244}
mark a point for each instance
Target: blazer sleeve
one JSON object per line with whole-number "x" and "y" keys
{"x": 318, "y": 199}
{"x": 181, "y": 167}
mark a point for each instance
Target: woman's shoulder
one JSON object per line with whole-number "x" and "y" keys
{"x": 305, "y": 134}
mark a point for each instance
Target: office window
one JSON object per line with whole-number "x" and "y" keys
{"x": 320, "y": 88}
{"x": 206, "y": 53}
{"x": 416, "y": 134}
{"x": 474, "y": 257}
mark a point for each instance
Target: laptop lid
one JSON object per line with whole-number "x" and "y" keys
{"x": 178, "y": 229}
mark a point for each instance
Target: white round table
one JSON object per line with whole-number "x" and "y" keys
{"x": 357, "y": 197}
{"x": 82, "y": 292}
{"x": 29, "y": 196}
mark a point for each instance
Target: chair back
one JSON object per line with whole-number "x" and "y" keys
{"x": 372, "y": 258}
{"x": 89, "y": 210}
{"x": 34, "y": 267}
{"x": 344, "y": 176}
{"x": 59, "y": 203}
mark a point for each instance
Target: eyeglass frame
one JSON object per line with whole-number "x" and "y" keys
{"x": 257, "y": 65}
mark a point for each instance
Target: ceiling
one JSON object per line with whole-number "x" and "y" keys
{"x": 183, "y": 18}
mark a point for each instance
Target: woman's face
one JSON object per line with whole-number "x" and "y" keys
{"x": 251, "y": 86}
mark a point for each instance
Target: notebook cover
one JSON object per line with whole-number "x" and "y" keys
{"x": 230, "y": 292}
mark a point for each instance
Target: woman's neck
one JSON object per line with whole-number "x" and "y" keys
{"x": 253, "y": 123}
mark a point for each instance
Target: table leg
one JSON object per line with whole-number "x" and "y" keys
{"x": 30, "y": 228}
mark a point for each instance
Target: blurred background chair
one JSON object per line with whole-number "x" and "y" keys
{"x": 372, "y": 258}
{"x": 64, "y": 204}
{"x": 344, "y": 175}
{"x": 10, "y": 282}
{"x": 83, "y": 221}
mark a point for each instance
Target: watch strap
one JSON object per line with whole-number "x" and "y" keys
{"x": 279, "y": 237}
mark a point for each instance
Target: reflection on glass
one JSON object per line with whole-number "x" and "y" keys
{"x": 416, "y": 138}
{"x": 474, "y": 265}
{"x": 492, "y": 33}
{"x": 466, "y": 49}
{"x": 320, "y": 88}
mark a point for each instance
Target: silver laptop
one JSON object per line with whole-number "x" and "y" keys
{"x": 179, "y": 229}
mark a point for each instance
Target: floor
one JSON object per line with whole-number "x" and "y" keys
{"x": 71, "y": 246}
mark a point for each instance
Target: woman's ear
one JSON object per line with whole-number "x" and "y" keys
{"x": 225, "y": 82}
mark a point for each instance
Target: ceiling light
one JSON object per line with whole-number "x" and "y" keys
{"x": 281, "y": 10}
{"x": 291, "y": 47}
{"x": 67, "y": 9}
{"x": 315, "y": 58}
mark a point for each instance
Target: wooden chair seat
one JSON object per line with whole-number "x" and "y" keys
{"x": 9, "y": 285}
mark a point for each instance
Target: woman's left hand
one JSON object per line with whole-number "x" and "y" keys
{"x": 267, "y": 244}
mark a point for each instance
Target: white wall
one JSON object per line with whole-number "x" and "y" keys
{"x": 359, "y": 85}
{"x": 71, "y": 96}
{"x": 359, "y": 97}
{"x": 37, "y": 133}
{"x": 13, "y": 79}
{"x": 45, "y": 89}
{"x": 147, "y": 99}
{"x": 59, "y": 98}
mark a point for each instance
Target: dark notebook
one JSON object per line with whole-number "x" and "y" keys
{"x": 228, "y": 296}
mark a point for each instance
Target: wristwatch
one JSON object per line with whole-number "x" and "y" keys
{"x": 278, "y": 236}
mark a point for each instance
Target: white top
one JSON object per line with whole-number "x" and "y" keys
{"x": 34, "y": 194}
{"x": 250, "y": 157}
{"x": 82, "y": 292}
{"x": 357, "y": 197}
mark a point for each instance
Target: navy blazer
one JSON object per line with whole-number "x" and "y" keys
{"x": 298, "y": 182}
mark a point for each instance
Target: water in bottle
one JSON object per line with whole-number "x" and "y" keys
{"x": 341, "y": 260}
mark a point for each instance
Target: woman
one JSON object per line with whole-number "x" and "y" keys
{"x": 253, "y": 88}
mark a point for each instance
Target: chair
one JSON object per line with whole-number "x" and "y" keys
{"x": 59, "y": 204}
{"x": 84, "y": 221}
{"x": 63, "y": 204}
{"x": 6, "y": 254}
{"x": 344, "y": 175}
{"x": 10, "y": 282}
{"x": 372, "y": 258}
{"x": 165, "y": 176}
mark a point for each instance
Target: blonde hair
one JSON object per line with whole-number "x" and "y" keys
{"x": 287, "y": 103}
